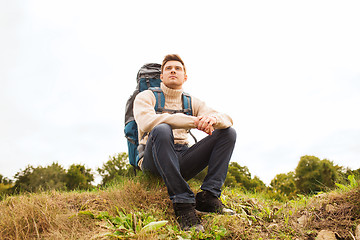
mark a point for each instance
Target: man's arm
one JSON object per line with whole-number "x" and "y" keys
{"x": 208, "y": 119}
{"x": 147, "y": 119}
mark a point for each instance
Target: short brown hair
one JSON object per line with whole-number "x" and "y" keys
{"x": 172, "y": 57}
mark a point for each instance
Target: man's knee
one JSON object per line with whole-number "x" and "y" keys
{"x": 229, "y": 133}
{"x": 162, "y": 130}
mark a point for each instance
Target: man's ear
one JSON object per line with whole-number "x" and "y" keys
{"x": 161, "y": 77}
{"x": 185, "y": 78}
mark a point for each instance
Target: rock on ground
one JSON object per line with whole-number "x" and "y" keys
{"x": 357, "y": 232}
{"x": 326, "y": 235}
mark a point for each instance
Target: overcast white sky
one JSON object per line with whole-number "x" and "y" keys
{"x": 288, "y": 72}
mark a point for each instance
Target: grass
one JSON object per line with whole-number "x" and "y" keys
{"x": 139, "y": 208}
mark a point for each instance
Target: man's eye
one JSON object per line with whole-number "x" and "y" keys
{"x": 178, "y": 68}
{"x": 168, "y": 68}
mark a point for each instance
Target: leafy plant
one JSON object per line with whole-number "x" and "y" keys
{"x": 128, "y": 224}
{"x": 353, "y": 183}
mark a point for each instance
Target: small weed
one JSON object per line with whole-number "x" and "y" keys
{"x": 353, "y": 183}
{"x": 287, "y": 217}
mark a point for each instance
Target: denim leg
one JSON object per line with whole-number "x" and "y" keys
{"x": 213, "y": 151}
{"x": 161, "y": 158}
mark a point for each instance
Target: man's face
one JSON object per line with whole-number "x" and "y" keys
{"x": 173, "y": 75}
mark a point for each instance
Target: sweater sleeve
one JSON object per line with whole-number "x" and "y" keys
{"x": 147, "y": 119}
{"x": 201, "y": 109}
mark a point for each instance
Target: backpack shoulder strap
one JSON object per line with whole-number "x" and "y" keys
{"x": 160, "y": 102}
{"x": 187, "y": 106}
{"x": 187, "y": 109}
{"x": 160, "y": 98}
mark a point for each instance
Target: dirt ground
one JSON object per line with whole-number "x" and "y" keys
{"x": 339, "y": 213}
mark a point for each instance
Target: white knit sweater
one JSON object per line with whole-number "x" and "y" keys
{"x": 146, "y": 117}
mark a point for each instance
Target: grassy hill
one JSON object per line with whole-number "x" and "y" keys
{"x": 139, "y": 208}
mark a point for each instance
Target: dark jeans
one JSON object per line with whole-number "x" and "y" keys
{"x": 178, "y": 163}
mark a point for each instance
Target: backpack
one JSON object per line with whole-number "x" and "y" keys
{"x": 148, "y": 77}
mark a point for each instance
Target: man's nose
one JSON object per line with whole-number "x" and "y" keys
{"x": 173, "y": 70}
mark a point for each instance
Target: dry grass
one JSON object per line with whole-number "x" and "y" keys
{"x": 53, "y": 215}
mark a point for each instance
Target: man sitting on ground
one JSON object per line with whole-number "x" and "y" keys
{"x": 163, "y": 136}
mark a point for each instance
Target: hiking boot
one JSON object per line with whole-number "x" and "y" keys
{"x": 206, "y": 202}
{"x": 186, "y": 217}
